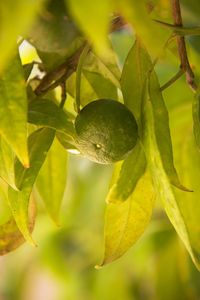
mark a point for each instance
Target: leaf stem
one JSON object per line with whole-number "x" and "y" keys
{"x": 63, "y": 94}
{"x": 172, "y": 80}
{"x": 185, "y": 65}
{"x": 78, "y": 75}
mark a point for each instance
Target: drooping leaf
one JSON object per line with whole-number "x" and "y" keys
{"x": 10, "y": 236}
{"x": 93, "y": 19}
{"x": 163, "y": 188}
{"x": 51, "y": 180}
{"x": 13, "y": 109}
{"x": 130, "y": 172}
{"x": 134, "y": 74}
{"x": 67, "y": 143}
{"x": 196, "y": 119}
{"x": 39, "y": 143}
{"x": 14, "y": 23}
{"x": 188, "y": 161}
{"x": 46, "y": 113}
{"x": 126, "y": 221}
{"x": 162, "y": 131}
{"x": 7, "y": 158}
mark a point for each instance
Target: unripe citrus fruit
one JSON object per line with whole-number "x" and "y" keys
{"x": 106, "y": 131}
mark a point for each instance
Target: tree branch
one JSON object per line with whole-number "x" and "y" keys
{"x": 185, "y": 65}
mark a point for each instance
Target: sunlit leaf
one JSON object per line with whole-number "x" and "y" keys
{"x": 51, "y": 181}
{"x": 126, "y": 221}
{"x": 164, "y": 190}
{"x": 130, "y": 172}
{"x": 13, "y": 109}
{"x": 39, "y": 143}
{"x": 134, "y": 74}
{"x": 162, "y": 131}
{"x": 92, "y": 17}
{"x": 15, "y": 22}
{"x": 7, "y": 158}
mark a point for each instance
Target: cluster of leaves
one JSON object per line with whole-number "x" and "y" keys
{"x": 30, "y": 107}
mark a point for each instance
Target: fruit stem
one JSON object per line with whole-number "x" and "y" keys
{"x": 78, "y": 75}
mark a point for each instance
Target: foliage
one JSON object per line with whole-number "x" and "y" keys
{"x": 120, "y": 50}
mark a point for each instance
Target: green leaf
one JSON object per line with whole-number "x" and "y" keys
{"x": 67, "y": 143}
{"x": 126, "y": 221}
{"x": 42, "y": 112}
{"x": 130, "y": 172}
{"x": 51, "y": 180}
{"x": 162, "y": 131}
{"x": 14, "y": 23}
{"x": 10, "y": 236}
{"x": 181, "y": 30}
{"x": 13, "y": 109}
{"x": 134, "y": 75}
{"x": 196, "y": 119}
{"x": 136, "y": 13}
{"x": 39, "y": 143}
{"x": 164, "y": 190}
{"x": 7, "y": 158}
{"x": 92, "y": 17}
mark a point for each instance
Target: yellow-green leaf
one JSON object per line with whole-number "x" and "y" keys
{"x": 126, "y": 221}
{"x": 15, "y": 21}
{"x": 7, "y": 158}
{"x": 196, "y": 119}
{"x": 13, "y": 109}
{"x": 164, "y": 190}
{"x": 162, "y": 131}
{"x": 51, "y": 180}
{"x": 134, "y": 74}
{"x": 129, "y": 172}
{"x": 92, "y": 17}
{"x": 39, "y": 143}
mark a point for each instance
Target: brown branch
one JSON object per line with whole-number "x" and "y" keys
{"x": 185, "y": 65}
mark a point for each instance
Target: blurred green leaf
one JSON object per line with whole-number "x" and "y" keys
{"x": 53, "y": 31}
{"x": 126, "y": 221}
{"x": 152, "y": 35}
{"x": 93, "y": 19}
{"x": 7, "y": 158}
{"x": 130, "y": 172}
{"x": 15, "y": 22}
{"x": 51, "y": 180}
{"x": 163, "y": 188}
{"x": 5, "y": 212}
{"x": 13, "y": 109}
{"x": 162, "y": 131}
{"x": 134, "y": 74}
{"x": 10, "y": 235}
{"x": 181, "y": 30}
{"x": 196, "y": 119}
{"x": 42, "y": 112}
{"x": 39, "y": 143}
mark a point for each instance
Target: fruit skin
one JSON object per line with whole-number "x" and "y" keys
{"x": 106, "y": 131}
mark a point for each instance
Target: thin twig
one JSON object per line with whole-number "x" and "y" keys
{"x": 63, "y": 94}
{"x": 185, "y": 65}
{"x": 172, "y": 80}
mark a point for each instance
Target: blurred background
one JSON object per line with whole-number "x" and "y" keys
{"x": 62, "y": 266}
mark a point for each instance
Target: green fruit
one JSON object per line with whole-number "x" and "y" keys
{"x": 106, "y": 131}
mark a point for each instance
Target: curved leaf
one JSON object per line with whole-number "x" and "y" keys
{"x": 51, "y": 180}
{"x": 162, "y": 131}
{"x": 126, "y": 221}
{"x": 196, "y": 119}
{"x": 162, "y": 184}
{"x": 39, "y": 143}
